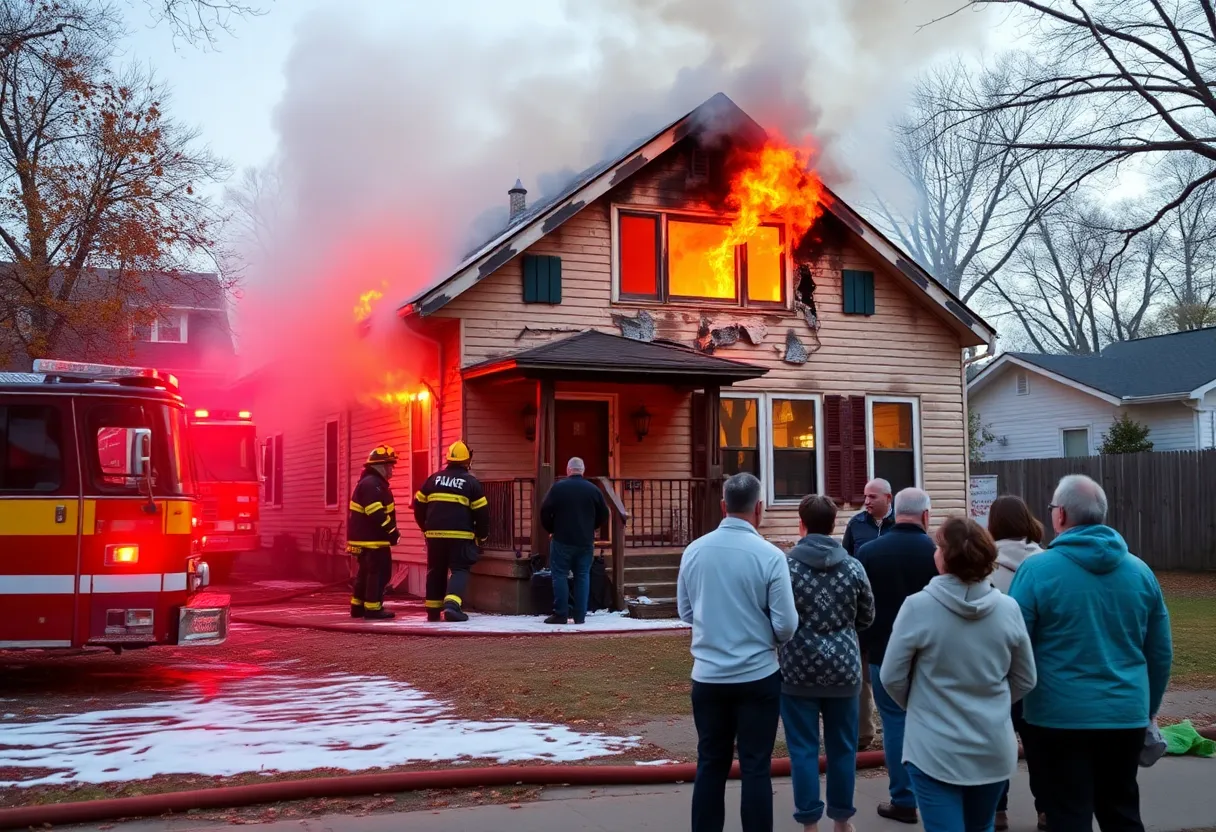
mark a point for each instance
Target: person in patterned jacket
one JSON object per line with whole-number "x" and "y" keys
{"x": 821, "y": 668}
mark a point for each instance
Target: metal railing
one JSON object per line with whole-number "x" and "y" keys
{"x": 662, "y": 512}
{"x": 510, "y": 514}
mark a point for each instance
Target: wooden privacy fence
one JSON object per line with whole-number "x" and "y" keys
{"x": 1164, "y": 504}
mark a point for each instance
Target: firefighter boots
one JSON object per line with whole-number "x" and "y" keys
{"x": 434, "y": 615}
{"x": 356, "y": 608}
{"x": 378, "y": 615}
{"x": 452, "y": 610}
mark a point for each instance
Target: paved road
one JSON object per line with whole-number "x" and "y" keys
{"x": 1177, "y": 794}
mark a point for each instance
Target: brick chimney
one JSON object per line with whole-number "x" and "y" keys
{"x": 518, "y": 196}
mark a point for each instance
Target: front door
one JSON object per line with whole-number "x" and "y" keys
{"x": 582, "y": 431}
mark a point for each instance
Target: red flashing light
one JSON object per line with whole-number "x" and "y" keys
{"x": 201, "y": 414}
{"x": 245, "y": 414}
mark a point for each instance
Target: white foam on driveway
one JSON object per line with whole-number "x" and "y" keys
{"x": 288, "y": 585}
{"x": 278, "y": 723}
{"x": 411, "y": 619}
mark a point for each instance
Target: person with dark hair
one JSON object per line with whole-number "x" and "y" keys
{"x": 821, "y": 667}
{"x": 734, "y": 589}
{"x": 1101, "y": 636}
{"x": 958, "y": 775}
{"x": 1017, "y": 534}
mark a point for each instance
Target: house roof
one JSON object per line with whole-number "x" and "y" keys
{"x": 719, "y": 111}
{"x": 598, "y": 354}
{"x": 1180, "y": 365}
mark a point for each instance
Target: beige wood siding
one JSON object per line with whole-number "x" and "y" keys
{"x": 904, "y": 349}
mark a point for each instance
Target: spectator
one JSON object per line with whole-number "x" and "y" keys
{"x": 898, "y": 564}
{"x": 959, "y": 746}
{"x": 871, "y": 522}
{"x": 573, "y": 509}
{"x": 1101, "y": 637}
{"x": 734, "y": 588}
{"x": 1018, "y": 535}
{"x": 821, "y": 666}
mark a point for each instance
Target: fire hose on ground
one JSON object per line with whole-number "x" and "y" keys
{"x": 368, "y": 784}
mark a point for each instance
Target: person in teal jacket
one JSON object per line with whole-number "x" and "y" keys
{"x": 1101, "y": 636}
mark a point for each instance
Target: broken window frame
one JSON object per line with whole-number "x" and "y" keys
{"x": 663, "y": 294}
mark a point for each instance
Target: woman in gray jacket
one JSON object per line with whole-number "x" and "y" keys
{"x": 959, "y": 656}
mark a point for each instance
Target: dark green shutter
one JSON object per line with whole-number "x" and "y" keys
{"x": 542, "y": 278}
{"x": 858, "y": 290}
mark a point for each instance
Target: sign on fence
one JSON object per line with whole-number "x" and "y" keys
{"x": 983, "y": 489}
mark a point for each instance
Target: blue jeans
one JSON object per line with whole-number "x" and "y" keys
{"x": 800, "y": 716}
{"x": 892, "y": 717}
{"x": 948, "y": 808}
{"x": 729, "y": 714}
{"x": 562, "y": 560}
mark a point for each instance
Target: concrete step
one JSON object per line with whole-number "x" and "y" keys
{"x": 651, "y": 589}
{"x": 644, "y": 574}
{"x": 653, "y": 559}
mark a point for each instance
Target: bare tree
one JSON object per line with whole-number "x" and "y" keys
{"x": 1143, "y": 71}
{"x": 195, "y": 21}
{"x": 976, "y": 193}
{"x": 98, "y": 189}
{"x": 1075, "y": 286}
{"x": 1188, "y": 264}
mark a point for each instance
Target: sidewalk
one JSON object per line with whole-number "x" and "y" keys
{"x": 1176, "y": 794}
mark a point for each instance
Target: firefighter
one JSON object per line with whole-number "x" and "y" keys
{"x": 454, "y": 516}
{"x": 370, "y": 530}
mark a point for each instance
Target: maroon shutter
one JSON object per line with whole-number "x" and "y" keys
{"x": 835, "y": 459}
{"x": 699, "y": 422}
{"x": 857, "y": 451}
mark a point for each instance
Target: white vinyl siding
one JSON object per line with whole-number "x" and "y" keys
{"x": 1032, "y": 425}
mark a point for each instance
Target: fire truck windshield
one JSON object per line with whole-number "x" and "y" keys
{"x": 224, "y": 453}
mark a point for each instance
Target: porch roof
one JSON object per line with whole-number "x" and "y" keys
{"x": 594, "y": 355}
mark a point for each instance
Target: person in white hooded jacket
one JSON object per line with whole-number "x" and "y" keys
{"x": 959, "y": 746}
{"x": 1017, "y": 534}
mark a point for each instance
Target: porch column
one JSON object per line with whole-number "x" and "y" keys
{"x": 546, "y": 450}
{"x": 713, "y": 459}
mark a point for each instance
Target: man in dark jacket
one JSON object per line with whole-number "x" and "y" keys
{"x": 873, "y": 521}
{"x": 452, "y": 510}
{"x": 573, "y": 509}
{"x": 898, "y": 564}
{"x": 371, "y": 529}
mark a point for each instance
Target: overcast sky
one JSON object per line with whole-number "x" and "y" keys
{"x": 232, "y": 93}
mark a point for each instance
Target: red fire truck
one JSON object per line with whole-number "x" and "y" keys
{"x": 225, "y": 462}
{"x": 98, "y": 513}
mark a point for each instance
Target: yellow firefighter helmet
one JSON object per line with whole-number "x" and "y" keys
{"x": 382, "y": 455}
{"x": 459, "y": 452}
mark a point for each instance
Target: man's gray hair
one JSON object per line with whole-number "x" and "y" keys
{"x": 741, "y": 492}
{"x": 884, "y": 487}
{"x": 911, "y": 502}
{"x": 1083, "y": 500}
{"x": 575, "y": 466}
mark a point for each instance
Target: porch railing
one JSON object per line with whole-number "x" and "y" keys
{"x": 510, "y": 514}
{"x": 663, "y": 513}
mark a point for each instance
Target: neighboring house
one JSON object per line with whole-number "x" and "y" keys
{"x": 1041, "y": 406}
{"x": 190, "y": 337}
{"x": 588, "y": 327}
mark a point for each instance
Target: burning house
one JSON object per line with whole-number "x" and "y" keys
{"x": 698, "y": 306}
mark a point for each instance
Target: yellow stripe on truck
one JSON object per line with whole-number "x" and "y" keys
{"x": 37, "y": 517}
{"x": 177, "y": 516}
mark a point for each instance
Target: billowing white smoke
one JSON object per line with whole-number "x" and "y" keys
{"x": 396, "y": 148}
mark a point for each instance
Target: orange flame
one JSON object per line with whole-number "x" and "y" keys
{"x": 775, "y": 180}
{"x": 397, "y": 392}
{"x": 363, "y": 309}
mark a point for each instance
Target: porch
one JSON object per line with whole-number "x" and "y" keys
{"x": 639, "y": 415}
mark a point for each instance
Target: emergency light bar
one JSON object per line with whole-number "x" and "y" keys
{"x": 102, "y": 372}
{"x": 222, "y": 415}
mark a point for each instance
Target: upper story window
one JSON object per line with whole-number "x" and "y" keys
{"x": 667, "y": 257}
{"x": 168, "y": 328}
